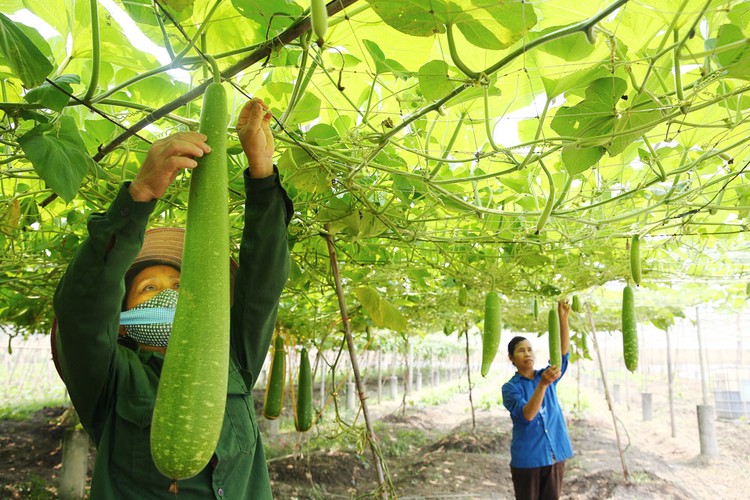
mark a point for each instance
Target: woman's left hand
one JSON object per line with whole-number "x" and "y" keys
{"x": 254, "y": 131}
{"x": 563, "y": 309}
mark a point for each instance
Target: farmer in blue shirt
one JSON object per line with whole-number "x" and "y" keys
{"x": 540, "y": 442}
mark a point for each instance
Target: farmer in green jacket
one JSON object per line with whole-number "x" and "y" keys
{"x": 111, "y": 366}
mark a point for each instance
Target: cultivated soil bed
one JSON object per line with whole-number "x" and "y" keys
{"x": 434, "y": 452}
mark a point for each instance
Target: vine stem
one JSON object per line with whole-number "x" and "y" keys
{"x": 263, "y": 51}
{"x": 450, "y": 144}
{"x": 371, "y": 439}
{"x": 95, "y": 51}
{"x": 550, "y": 200}
{"x": 606, "y": 391}
{"x": 468, "y": 377}
{"x": 454, "y": 54}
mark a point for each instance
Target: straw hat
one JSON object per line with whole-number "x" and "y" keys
{"x": 161, "y": 245}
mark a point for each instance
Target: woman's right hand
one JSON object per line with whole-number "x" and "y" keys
{"x": 164, "y": 160}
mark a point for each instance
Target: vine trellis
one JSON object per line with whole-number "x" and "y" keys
{"x": 519, "y": 137}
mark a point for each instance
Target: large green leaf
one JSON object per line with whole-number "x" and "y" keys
{"x": 493, "y": 25}
{"x": 21, "y": 55}
{"x": 274, "y": 14}
{"x": 595, "y": 116}
{"x": 57, "y": 152}
{"x": 382, "y": 64}
{"x": 413, "y": 17}
{"x": 383, "y": 313}
{"x": 50, "y": 96}
{"x": 633, "y": 122}
{"x": 434, "y": 81}
{"x": 737, "y": 59}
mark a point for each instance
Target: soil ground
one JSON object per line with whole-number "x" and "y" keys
{"x": 433, "y": 452}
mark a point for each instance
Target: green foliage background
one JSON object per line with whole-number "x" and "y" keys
{"x": 427, "y": 137}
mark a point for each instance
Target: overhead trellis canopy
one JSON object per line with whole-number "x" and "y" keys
{"x": 515, "y": 146}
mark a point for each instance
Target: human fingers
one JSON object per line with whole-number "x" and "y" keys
{"x": 253, "y": 114}
{"x": 191, "y": 144}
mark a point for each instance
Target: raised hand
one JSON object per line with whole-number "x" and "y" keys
{"x": 254, "y": 131}
{"x": 164, "y": 160}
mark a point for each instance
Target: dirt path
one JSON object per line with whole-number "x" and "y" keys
{"x": 431, "y": 452}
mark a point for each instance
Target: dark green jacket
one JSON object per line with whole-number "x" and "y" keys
{"x": 113, "y": 387}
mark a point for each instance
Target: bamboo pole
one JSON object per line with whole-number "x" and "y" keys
{"x": 371, "y": 439}
{"x": 606, "y": 392}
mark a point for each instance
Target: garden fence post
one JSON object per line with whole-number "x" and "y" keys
{"x": 75, "y": 462}
{"x": 706, "y": 413}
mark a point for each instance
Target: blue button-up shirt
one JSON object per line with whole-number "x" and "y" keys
{"x": 544, "y": 440}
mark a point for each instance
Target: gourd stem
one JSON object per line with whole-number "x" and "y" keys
{"x": 95, "y": 51}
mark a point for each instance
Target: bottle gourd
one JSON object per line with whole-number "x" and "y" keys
{"x": 191, "y": 397}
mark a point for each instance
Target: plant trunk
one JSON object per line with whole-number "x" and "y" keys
{"x": 702, "y": 358}
{"x": 468, "y": 377}
{"x": 606, "y": 392}
{"x": 385, "y": 489}
{"x": 670, "y": 380}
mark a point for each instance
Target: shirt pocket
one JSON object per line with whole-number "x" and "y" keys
{"x": 132, "y": 435}
{"x": 239, "y": 430}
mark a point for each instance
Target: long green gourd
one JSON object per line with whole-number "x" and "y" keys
{"x": 492, "y": 328}
{"x": 629, "y": 330}
{"x": 304, "y": 413}
{"x": 553, "y": 325}
{"x": 191, "y": 398}
{"x": 274, "y": 401}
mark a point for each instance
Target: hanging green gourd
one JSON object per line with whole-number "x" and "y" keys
{"x": 575, "y": 306}
{"x": 275, "y": 386}
{"x": 492, "y": 328}
{"x": 193, "y": 383}
{"x": 319, "y": 20}
{"x": 463, "y": 296}
{"x": 304, "y": 414}
{"x": 553, "y": 326}
{"x": 629, "y": 330}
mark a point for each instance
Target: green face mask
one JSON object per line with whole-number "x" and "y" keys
{"x": 150, "y": 322}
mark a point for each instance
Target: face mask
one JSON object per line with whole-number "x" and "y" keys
{"x": 150, "y": 322}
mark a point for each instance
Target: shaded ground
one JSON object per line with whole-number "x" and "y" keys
{"x": 431, "y": 452}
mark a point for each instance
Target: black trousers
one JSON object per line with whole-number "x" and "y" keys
{"x": 539, "y": 483}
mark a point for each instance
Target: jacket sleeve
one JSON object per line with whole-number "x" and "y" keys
{"x": 263, "y": 270}
{"x": 88, "y": 301}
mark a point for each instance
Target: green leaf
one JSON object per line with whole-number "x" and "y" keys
{"x": 21, "y": 55}
{"x": 740, "y": 16}
{"x": 433, "y": 80}
{"x": 577, "y": 160}
{"x": 303, "y": 172}
{"x": 640, "y": 117}
{"x": 275, "y": 14}
{"x": 307, "y": 109}
{"x": 737, "y": 60}
{"x": 323, "y": 134}
{"x": 412, "y": 17}
{"x": 493, "y": 25}
{"x": 571, "y": 48}
{"x": 57, "y": 152}
{"x": 50, "y": 96}
{"x": 141, "y": 11}
{"x": 570, "y": 81}
{"x": 383, "y": 313}
{"x": 384, "y": 65}
{"x": 595, "y": 116}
